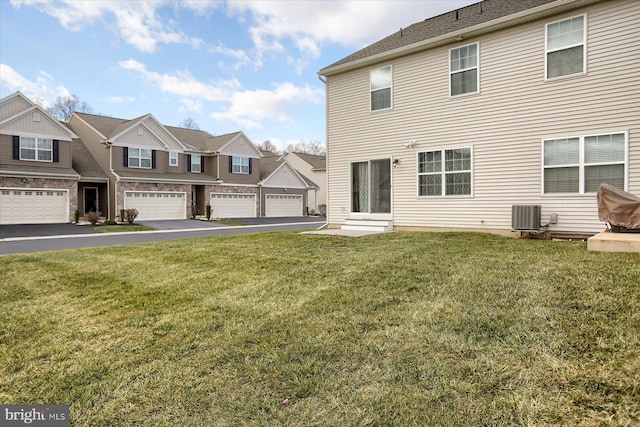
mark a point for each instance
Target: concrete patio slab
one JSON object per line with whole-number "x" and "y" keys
{"x": 614, "y": 242}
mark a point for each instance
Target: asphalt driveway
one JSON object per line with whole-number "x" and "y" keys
{"x": 47, "y": 237}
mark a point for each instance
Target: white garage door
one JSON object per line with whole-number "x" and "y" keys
{"x": 157, "y": 205}
{"x": 284, "y": 205}
{"x": 34, "y": 206}
{"x": 233, "y": 205}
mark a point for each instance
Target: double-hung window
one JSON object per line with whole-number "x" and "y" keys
{"x": 463, "y": 69}
{"x": 445, "y": 172}
{"x": 196, "y": 163}
{"x": 36, "y": 149}
{"x": 240, "y": 165}
{"x": 173, "y": 158}
{"x": 566, "y": 47}
{"x": 381, "y": 82}
{"x": 580, "y": 164}
{"x": 139, "y": 158}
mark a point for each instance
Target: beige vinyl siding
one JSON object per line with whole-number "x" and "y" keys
{"x": 505, "y": 123}
{"x": 36, "y": 124}
{"x": 13, "y": 107}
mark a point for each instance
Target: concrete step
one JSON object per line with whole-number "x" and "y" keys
{"x": 368, "y": 225}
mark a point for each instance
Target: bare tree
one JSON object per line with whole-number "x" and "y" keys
{"x": 189, "y": 123}
{"x": 65, "y": 106}
{"x": 307, "y": 147}
{"x": 269, "y": 146}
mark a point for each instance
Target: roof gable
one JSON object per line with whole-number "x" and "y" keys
{"x": 277, "y": 172}
{"x": 143, "y": 131}
{"x": 29, "y": 119}
{"x": 14, "y": 104}
{"x": 237, "y": 144}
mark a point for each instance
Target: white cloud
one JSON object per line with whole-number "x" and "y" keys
{"x": 135, "y": 21}
{"x": 250, "y": 108}
{"x": 190, "y": 105}
{"x": 246, "y": 108}
{"x": 182, "y": 83}
{"x": 44, "y": 88}
{"x": 308, "y": 25}
{"x": 121, "y": 99}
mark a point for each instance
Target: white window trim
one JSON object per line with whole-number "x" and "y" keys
{"x": 139, "y": 157}
{"x": 583, "y": 44}
{"x": 466, "y": 69}
{"x": 443, "y": 174}
{"x": 581, "y": 164}
{"x": 240, "y": 165}
{"x": 173, "y": 153}
{"x": 36, "y": 150}
{"x": 390, "y": 107}
{"x": 199, "y": 163}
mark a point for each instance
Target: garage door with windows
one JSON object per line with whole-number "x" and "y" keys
{"x": 283, "y": 205}
{"x": 34, "y": 206}
{"x": 225, "y": 205}
{"x": 157, "y": 205}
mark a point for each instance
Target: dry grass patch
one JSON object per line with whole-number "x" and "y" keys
{"x": 402, "y": 329}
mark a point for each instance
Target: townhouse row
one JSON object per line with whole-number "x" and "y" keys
{"x": 50, "y": 169}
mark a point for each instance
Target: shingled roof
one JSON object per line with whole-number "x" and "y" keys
{"x": 441, "y": 25}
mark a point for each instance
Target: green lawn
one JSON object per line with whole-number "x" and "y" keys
{"x": 122, "y": 228}
{"x": 281, "y": 329}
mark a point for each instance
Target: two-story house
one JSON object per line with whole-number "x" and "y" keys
{"x": 448, "y": 123}
{"x": 169, "y": 172}
{"x": 38, "y": 183}
{"x": 314, "y": 167}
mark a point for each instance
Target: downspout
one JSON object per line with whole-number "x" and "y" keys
{"x": 260, "y": 197}
{"x": 218, "y": 168}
{"x": 115, "y": 186}
{"x": 326, "y": 138}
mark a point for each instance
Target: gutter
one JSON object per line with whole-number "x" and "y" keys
{"x": 17, "y": 174}
{"x": 459, "y": 35}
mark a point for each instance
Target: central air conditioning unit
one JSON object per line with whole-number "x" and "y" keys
{"x": 526, "y": 217}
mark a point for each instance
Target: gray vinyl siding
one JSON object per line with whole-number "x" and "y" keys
{"x": 504, "y": 124}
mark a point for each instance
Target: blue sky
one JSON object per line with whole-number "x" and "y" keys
{"x": 229, "y": 65}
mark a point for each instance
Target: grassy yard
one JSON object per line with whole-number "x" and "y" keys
{"x": 279, "y": 329}
{"x": 122, "y": 228}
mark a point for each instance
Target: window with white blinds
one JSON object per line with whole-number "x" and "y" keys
{"x": 581, "y": 164}
{"x": 566, "y": 47}
{"x": 463, "y": 70}
{"x": 381, "y": 82}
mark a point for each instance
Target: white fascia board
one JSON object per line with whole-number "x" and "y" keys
{"x": 466, "y": 33}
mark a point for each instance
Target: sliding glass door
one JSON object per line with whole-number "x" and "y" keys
{"x": 371, "y": 186}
